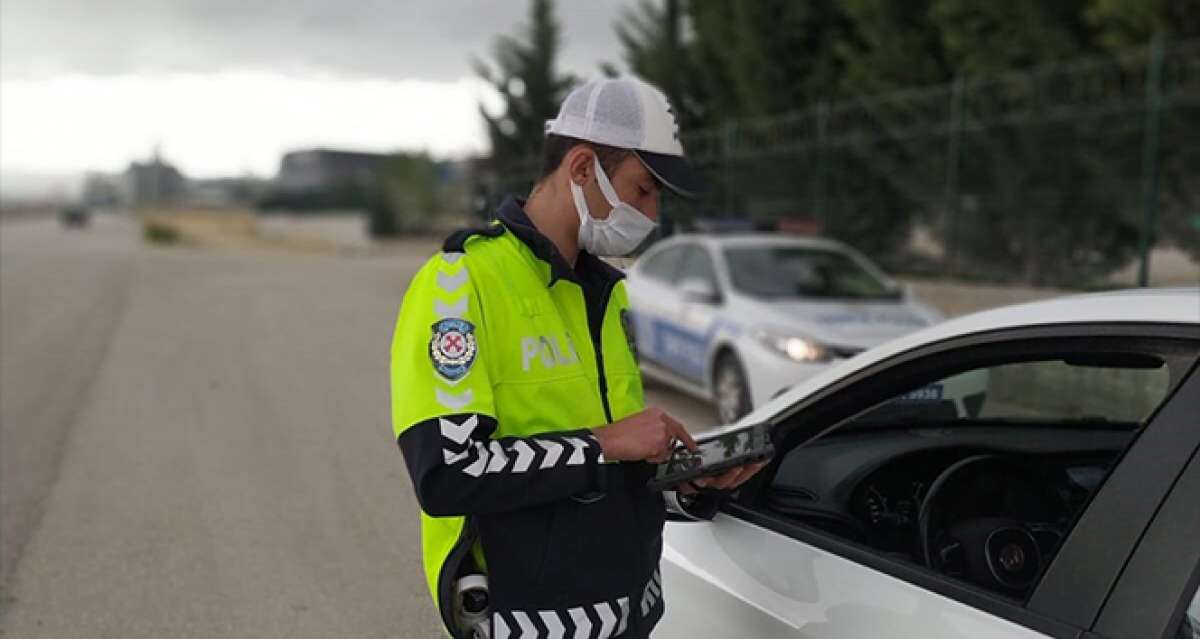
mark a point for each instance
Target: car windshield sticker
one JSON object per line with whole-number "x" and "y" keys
{"x": 452, "y": 348}
{"x": 629, "y": 328}
{"x": 930, "y": 393}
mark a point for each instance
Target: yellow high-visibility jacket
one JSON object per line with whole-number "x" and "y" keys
{"x": 503, "y": 359}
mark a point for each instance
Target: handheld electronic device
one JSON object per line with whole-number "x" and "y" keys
{"x": 714, "y": 455}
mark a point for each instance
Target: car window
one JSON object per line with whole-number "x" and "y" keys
{"x": 1189, "y": 626}
{"x": 697, "y": 265}
{"x": 797, "y": 271}
{"x": 979, "y": 475}
{"x": 662, "y": 265}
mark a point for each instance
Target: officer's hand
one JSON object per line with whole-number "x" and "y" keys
{"x": 648, "y": 435}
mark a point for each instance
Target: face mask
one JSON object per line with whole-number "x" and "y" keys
{"x": 618, "y": 234}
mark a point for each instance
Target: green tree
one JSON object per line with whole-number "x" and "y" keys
{"x": 525, "y": 73}
{"x": 889, "y": 45}
{"x": 1040, "y": 197}
{"x": 768, "y": 57}
{"x": 722, "y": 61}
{"x": 993, "y": 37}
{"x": 405, "y": 197}
{"x": 1120, "y": 24}
{"x": 651, "y": 39}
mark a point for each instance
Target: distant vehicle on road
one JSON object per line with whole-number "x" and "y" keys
{"x": 1065, "y": 506}
{"x": 736, "y": 319}
{"x": 74, "y": 216}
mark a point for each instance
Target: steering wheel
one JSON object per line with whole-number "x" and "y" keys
{"x": 996, "y": 552}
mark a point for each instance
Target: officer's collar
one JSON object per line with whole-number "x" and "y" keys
{"x": 512, "y": 215}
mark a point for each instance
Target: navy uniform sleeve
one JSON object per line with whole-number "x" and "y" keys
{"x": 444, "y": 417}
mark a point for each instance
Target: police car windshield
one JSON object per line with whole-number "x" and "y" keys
{"x": 795, "y": 271}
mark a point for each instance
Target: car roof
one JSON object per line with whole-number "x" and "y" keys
{"x": 758, "y": 239}
{"x": 1179, "y": 305}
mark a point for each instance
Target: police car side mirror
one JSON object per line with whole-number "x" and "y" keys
{"x": 899, "y": 290}
{"x": 699, "y": 291}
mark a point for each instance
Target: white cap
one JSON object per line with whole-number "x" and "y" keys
{"x": 628, "y": 113}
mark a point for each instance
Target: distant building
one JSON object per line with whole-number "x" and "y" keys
{"x": 225, "y": 192}
{"x": 101, "y": 190}
{"x": 320, "y": 169}
{"x": 152, "y": 183}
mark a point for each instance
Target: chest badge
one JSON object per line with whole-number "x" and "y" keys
{"x": 452, "y": 348}
{"x": 630, "y": 329}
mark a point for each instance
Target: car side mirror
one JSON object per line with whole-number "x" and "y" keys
{"x": 699, "y": 291}
{"x": 899, "y": 290}
{"x": 684, "y": 508}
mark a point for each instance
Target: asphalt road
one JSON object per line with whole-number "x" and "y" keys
{"x": 195, "y": 443}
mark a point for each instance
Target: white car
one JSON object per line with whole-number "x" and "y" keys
{"x": 1065, "y": 506}
{"x": 737, "y": 319}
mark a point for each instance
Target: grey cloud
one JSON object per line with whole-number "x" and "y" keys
{"x": 427, "y": 39}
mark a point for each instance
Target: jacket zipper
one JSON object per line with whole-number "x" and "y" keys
{"x": 597, "y": 332}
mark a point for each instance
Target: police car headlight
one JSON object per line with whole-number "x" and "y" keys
{"x": 798, "y": 349}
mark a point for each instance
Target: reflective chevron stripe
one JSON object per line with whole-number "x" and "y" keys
{"x": 554, "y": 626}
{"x": 524, "y": 624}
{"x": 608, "y": 619}
{"x": 603, "y": 620}
{"x": 476, "y": 467}
{"x": 499, "y": 459}
{"x": 499, "y": 628}
{"x": 652, "y": 593}
{"x": 577, "y": 457}
{"x": 458, "y": 433}
{"x": 553, "y": 452}
{"x": 623, "y": 615}
{"x": 583, "y": 625}
{"x": 444, "y": 310}
{"x": 492, "y": 456}
{"x": 525, "y": 456}
{"x": 454, "y": 401}
{"x": 451, "y": 283}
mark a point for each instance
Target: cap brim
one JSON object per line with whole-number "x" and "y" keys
{"x": 673, "y": 172}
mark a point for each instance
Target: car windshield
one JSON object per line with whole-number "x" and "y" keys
{"x": 1028, "y": 395}
{"x": 795, "y": 271}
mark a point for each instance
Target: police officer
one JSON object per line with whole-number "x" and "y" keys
{"x": 516, "y": 397}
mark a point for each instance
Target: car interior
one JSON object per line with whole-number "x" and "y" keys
{"x": 978, "y": 475}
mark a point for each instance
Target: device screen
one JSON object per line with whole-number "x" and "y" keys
{"x": 714, "y": 451}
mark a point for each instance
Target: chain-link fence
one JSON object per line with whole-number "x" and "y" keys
{"x": 1057, "y": 175}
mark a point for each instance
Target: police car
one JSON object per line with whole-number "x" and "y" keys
{"x": 736, "y": 319}
{"x": 1064, "y": 506}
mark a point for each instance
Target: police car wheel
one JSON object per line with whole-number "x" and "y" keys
{"x": 729, "y": 389}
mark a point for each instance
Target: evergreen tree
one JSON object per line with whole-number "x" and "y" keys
{"x": 525, "y": 73}
{"x": 651, "y": 36}
{"x": 1027, "y": 187}
{"x": 889, "y": 45}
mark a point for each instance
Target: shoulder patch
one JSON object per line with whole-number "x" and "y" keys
{"x": 452, "y": 348}
{"x": 458, "y": 239}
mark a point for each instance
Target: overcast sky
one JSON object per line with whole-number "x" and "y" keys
{"x": 226, "y": 86}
